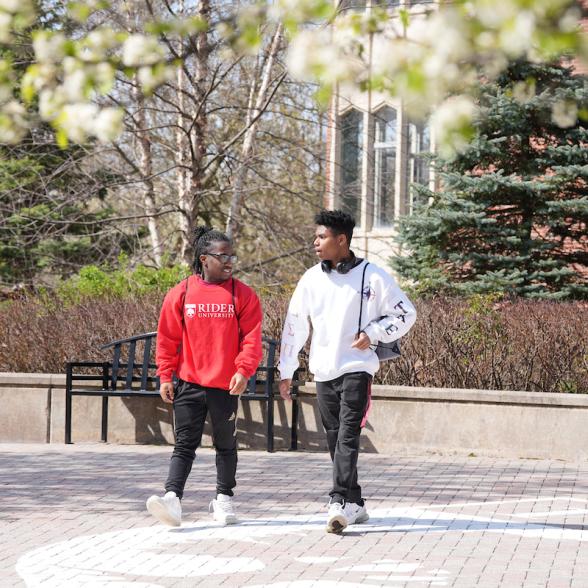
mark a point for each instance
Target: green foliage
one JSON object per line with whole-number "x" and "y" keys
{"x": 122, "y": 281}
{"x": 512, "y": 212}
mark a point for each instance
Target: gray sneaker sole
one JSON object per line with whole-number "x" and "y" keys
{"x": 364, "y": 518}
{"x": 336, "y": 524}
{"x": 229, "y": 520}
{"x": 158, "y": 510}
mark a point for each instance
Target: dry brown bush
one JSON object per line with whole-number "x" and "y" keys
{"x": 518, "y": 345}
{"x": 42, "y": 337}
{"x": 478, "y": 343}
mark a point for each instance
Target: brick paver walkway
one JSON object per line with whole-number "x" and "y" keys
{"x": 74, "y": 516}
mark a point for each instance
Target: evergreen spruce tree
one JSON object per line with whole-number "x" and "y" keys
{"x": 511, "y": 214}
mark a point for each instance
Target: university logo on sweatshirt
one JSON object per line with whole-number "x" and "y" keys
{"x": 210, "y": 310}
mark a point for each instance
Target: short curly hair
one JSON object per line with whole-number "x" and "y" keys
{"x": 338, "y": 221}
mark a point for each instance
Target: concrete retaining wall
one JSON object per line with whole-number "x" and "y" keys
{"x": 402, "y": 420}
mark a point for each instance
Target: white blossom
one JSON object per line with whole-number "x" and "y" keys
{"x": 446, "y": 34}
{"x": 77, "y": 121}
{"x": 313, "y": 53}
{"x": 570, "y": 21}
{"x": 524, "y": 91}
{"x": 98, "y": 43}
{"x": 564, "y": 113}
{"x": 5, "y": 27}
{"x": 51, "y": 101}
{"x": 6, "y": 81}
{"x": 299, "y": 57}
{"x": 13, "y": 123}
{"x": 108, "y": 124}
{"x": 104, "y": 74}
{"x": 297, "y": 10}
{"x": 452, "y": 122}
{"x": 151, "y": 77}
{"x": 45, "y": 75}
{"x": 140, "y": 50}
{"x": 76, "y": 85}
{"x": 517, "y": 35}
{"x": 49, "y": 47}
{"x": 23, "y": 11}
{"x": 492, "y": 13}
{"x": 11, "y": 6}
{"x": 5, "y": 93}
{"x": 393, "y": 55}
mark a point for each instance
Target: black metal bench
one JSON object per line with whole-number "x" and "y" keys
{"x": 124, "y": 376}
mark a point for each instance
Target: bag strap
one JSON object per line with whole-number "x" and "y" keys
{"x": 361, "y": 298}
{"x": 184, "y": 301}
{"x": 235, "y": 307}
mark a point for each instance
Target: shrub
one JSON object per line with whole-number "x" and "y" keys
{"x": 487, "y": 344}
{"x": 481, "y": 342}
{"x": 93, "y": 281}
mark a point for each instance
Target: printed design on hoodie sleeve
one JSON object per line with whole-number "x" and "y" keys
{"x": 368, "y": 293}
{"x": 295, "y": 332}
{"x": 395, "y": 317}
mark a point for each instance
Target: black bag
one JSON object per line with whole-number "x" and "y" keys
{"x": 384, "y": 351}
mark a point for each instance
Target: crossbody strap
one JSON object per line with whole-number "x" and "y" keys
{"x": 184, "y": 302}
{"x": 235, "y": 307}
{"x": 361, "y": 298}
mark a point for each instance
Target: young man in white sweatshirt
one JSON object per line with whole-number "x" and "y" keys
{"x": 342, "y": 353}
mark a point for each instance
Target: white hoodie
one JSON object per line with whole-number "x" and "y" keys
{"x": 332, "y": 302}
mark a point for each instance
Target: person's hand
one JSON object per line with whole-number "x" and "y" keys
{"x": 284, "y": 387}
{"x": 166, "y": 391}
{"x": 362, "y": 342}
{"x": 238, "y": 384}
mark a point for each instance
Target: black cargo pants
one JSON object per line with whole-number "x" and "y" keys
{"x": 191, "y": 405}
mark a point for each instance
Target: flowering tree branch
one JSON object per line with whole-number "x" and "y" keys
{"x": 429, "y": 58}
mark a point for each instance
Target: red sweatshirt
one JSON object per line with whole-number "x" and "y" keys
{"x": 206, "y": 350}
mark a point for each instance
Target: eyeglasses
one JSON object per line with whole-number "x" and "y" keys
{"x": 224, "y": 258}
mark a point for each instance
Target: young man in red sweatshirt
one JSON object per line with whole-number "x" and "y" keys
{"x": 209, "y": 337}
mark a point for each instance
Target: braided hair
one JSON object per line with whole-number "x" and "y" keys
{"x": 203, "y": 238}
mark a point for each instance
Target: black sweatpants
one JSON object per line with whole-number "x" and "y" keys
{"x": 342, "y": 405}
{"x": 191, "y": 404}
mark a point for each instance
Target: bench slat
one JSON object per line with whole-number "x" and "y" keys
{"x": 130, "y": 364}
{"x": 146, "y": 357}
{"x": 115, "y": 366}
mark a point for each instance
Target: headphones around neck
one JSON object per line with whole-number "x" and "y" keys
{"x": 343, "y": 267}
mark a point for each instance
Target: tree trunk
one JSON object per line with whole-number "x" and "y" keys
{"x": 253, "y": 111}
{"x": 198, "y": 136}
{"x": 182, "y": 156}
{"x": 146, "y": 167}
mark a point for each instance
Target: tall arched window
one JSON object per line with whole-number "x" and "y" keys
{"x": 419, "y": 172}
{"x": 385, "y": 146}
{"x": 351, "y": 156}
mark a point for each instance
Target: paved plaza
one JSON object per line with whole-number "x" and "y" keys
{"x": 74, "y": 516}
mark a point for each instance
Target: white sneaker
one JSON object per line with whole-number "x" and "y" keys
{"x": 336, "y": 518}
{"x": 168, "y": 509}
{"x": 222, "y": 509}
{"x": 355, "y": 513}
